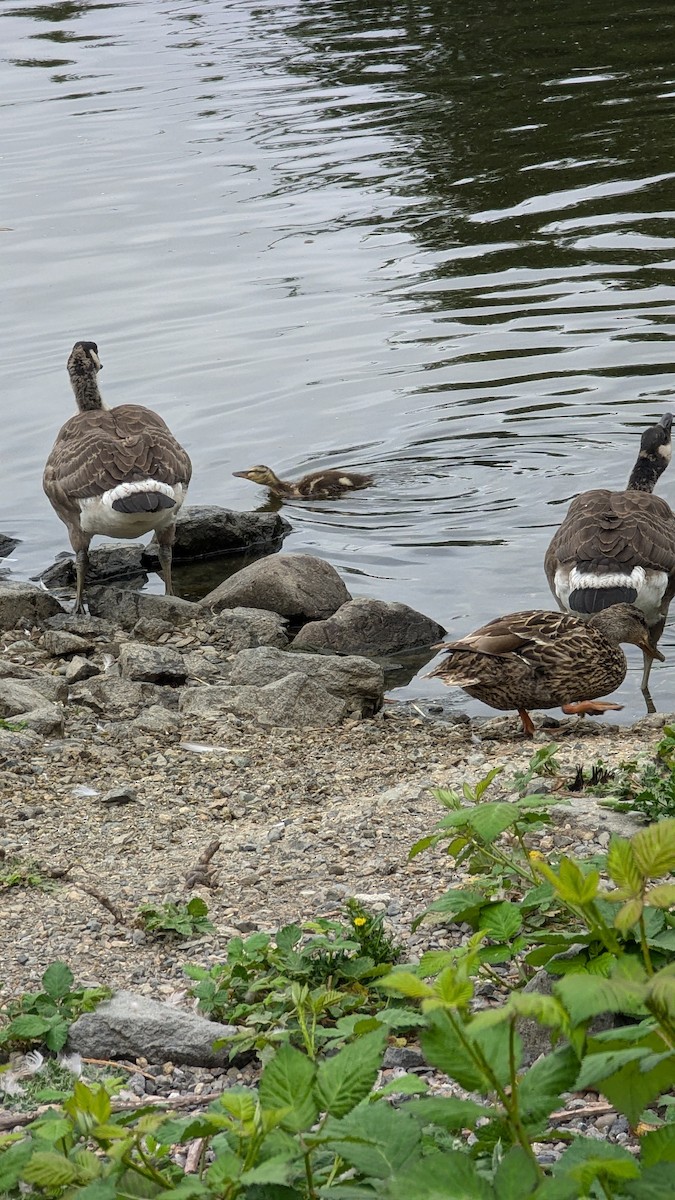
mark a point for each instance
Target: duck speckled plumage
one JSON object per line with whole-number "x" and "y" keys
{"x": 541, "y": 659}
{"x": 118, "y": 472}
{"x": 319, "y": 485}
{"x": 619, "y": 547}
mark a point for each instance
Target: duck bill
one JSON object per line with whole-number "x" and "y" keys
{"x": 652, "y": 651}
{"x": 241, "y": 474}
{"x": 666, "y": 420}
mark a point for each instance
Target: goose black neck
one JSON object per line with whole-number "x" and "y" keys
{"x": 645, "y": 473}
{"x": 85, "y": 387}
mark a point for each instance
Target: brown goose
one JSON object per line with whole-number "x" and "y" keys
{"x": 118, "y": 472}
{"x": 546, "y": 660}
{"x": 619, "y": 547}
{"x": 319, "y": 485}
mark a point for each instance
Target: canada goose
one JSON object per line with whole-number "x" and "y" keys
{"x": 616, "y": 547}
{"x": 319, "y": 485}
{"x": 118, "y": 472}
{"x": 546, "y": 660}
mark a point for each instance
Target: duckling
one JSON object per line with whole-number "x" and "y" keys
{"x": 319, "y": 485}
{"x": 541, "y": 659}
{"x": 118, "y": 472}
{"x": 619, "y": 547}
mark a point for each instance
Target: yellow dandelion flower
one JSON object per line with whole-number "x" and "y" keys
{"x": 535, "y": 854}
{"x": 359, "y": 921}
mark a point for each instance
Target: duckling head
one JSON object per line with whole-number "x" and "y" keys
{"x": 260, "y": 474}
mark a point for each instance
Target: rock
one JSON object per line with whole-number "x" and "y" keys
{"x": 7, "y": 544}
{"x": 407, "y": 1057}
{"x": 24, "y": 603}
{"x": 122, "y": 794}
{"x": 237, "y": 629}
{"x": 156, "y": 719}
{"x": 207, "y": 531}
{"x": 152, "y": 664}
{"x": 297, "y": 586}
{"x": 82, "y": 624}
{"x": 25, "y": 706}
{"x": 60, "y": 644}
{"x": 131, "y": 1026}
{"x": 125, "y": 608}
{"x": 295, "y": 700}
{"x": 113, "y": 560}
{"x": 79, "y": 668}
{"x": 357, "y": 680}
{"x": 50, "y": 687}
{"x": 370, "y": 627}
{"x": 114, "y": 697}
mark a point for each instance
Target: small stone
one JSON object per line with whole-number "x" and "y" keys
{"x": 124, "y": 794}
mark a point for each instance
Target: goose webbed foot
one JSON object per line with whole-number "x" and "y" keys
{"x": 591, "y": 708}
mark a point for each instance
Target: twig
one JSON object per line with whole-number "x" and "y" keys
{"x": 591, "y": 1110}
{"x": 108, "y": 904}
{"x": 193, "y": 1156}
{"x": 130, "y": 1067}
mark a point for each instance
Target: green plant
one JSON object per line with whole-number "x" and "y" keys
{"x": 15, "y": 873}
{"x": 176, "y": 920}
{"x": 43, "y": 1018}
{"x": 543, "y": 762}
{"x": 644, "y": 787}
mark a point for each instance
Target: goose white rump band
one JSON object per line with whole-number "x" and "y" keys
{"x": 650, "y": 585}
{"x": 99, "y": 517}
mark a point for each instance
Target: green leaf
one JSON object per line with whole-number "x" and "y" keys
{"x": 661, "y": 896}
{"x": 585, "y": 996}
{"x": 632, "y": 1088}
{"x": 539, "y": 1089}
{"x": 287, "y": 1082}
{"x": 443, "y": 1049}
{"x": 622, "y": 866}
{"x": 29, "y": 1026}
{"x": 655, "y": 1183}
{"x": 516, "y": 1176}
{"x": 447, "y": 1112}
{"x": 58, "y": 980}
{"x": 405, "y": 1085}
{"x": 52, "y": 1129}
{"x": 378, "y": 1140}
{"x": 597, "y": 1067}
{"x": 588, "y": 1159}
{"x": 288, "y": 937}
{"x": 501, "y": 921}
{"x": 654, "y": 848}
{"x": 100, "y": 1189}
{"x": 449, "y": 1176}
{"x": 347, "y": 1078}
{"x": 50, "y": 1170}
{"x": 406, "y": 984}
{"x": 272, "y": 1170}
{"x": 197, "y": 907}
{"x": 488, "y": 821}
{"x": 12, "y": 1163}
{"x": 658, "y": 1146}
{"x": 422, "y": 844}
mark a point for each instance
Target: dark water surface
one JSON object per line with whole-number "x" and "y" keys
{"x": 434, "y": 240}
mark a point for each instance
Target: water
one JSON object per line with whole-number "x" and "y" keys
{"x": 417, "y": 239}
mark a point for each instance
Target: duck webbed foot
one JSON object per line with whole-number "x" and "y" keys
{"x": 590, "y": 708}
{"x": 526, "y": 720}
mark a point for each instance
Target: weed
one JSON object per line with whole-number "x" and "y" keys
{"x": 176, "y": 920}
{"x": 43, "y": 1018}
{"x": 15, "y": 873}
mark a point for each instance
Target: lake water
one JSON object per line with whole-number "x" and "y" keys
{"x": 431, "y": 240}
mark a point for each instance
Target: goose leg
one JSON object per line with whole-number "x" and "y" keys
{"x": 165, "y": 539}
{"x": 526, "y": 721}
{"x": 81, "y": 565}
{"x": 592, "y": 708}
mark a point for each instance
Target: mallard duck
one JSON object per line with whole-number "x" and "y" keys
{"x": 118, "y": 472}
{"x": 616, "y": 547}
{"x": 546, "y": 660}
{"x": 319, "y": 485}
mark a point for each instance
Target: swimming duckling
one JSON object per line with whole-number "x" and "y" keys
{"x": 319, "y": 485}
{"x": 541, "y": 659}
{"x": 114, "y": 471}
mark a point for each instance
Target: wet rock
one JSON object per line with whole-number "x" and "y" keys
{"x": 124, "y": 608}
{"x": 59, "y": 643}
{"x": 24, "y": 603}
{"x": 132, "y": 1026}
{"x": 25, "y": 706}
{"x": 295, "y": 700}
{"x": 79, "y": 668}
{"x": 109, "y": 562}
{"x": 152, "y": 664}
{"x": 297, "y": 586}
{"x": 375, "y": 627}
{"x": 7, "y": 544}
{"x": 241, "y": 628}
{"x": 357, "y": 680}
{"x": 207, "y": 531}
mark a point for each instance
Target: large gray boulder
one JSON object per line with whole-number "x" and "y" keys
{"x": 24, "y": 603}
{"x": 356, "y": 680}
{"x": 295, "y": 700}
{"x": 25, "y": 706}
{"x": 375, "y": 627}
{"x": 298, "y": 586}
{"x": 132, "y": 1026}
{"x": 124, "y": 608}
{"x": 206, "y": 531}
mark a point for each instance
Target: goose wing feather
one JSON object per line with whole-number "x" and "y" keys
{"x": 95, "y": 451}
{"x": 627, "y": 528}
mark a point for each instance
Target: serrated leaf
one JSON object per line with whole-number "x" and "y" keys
{"x": 658, "y": 1146}
{"x": 449, "y": 1176}
{"x": 597, "y": 1067}
{"x": 454, "y": 991}
{"x": 272, "y": 1170}
{"x": 628, "y": 915}
{"x": 422, "y": 844}
{"x": 501, "y": 921}
{"x": 631, "y": 1088}
{"x": 347, "y": 1078}
{"x": 585, "y": 996}
{"x": 490, "y": 820}
{"x": 622, "y": 867}
{"x": 28, "y": 1026}
{"x": 58, "y": 980}
{"x": 443, "y": 1049}
{"x": 447, "y": 1112}
{"x": 287, "y": 1082}
{"x": 404, "y": 1085}
{"x": 406, "y": 984}
{"x": 661, "y": 896}
{"x": 197, "y": 907}
{"x": 12, "y": 1163}
{"x": 540, "y": 1088}
{"x": 100, "y": 1189}
{"x": 378, "y": 1140}
{"x": 655, "y": 1183}
{"x": 535, "y": 1006}
{"x": 516, "y": 1176}
{"x": 654, "y": 848}
{"x": 52, "y": 1129}
{"x": 661, "y": 993}
{"x": 49, "y": 1170}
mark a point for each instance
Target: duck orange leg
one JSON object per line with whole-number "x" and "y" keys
{"x": 526, "y": 719}
{"x": 592, "y": 708}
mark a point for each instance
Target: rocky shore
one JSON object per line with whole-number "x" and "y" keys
{"x": 134, "y": 738}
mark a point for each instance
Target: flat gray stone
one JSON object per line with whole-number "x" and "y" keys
{"x": 357, "y": 680}
{"x": 298, "y": 586}
{"x": 24, "y": 705}
{"x": 152, "y": 664}
{"x": 109, "y": 562}
{"x": 25, "y": 603}
{"x": 208, "y": 531}
{"x": 79, "y": 668}
{"x": 124, "y": 608}
{"x": 59, "y": 643}
{"x": 370, "y": 627}
{"x": 83, "y": 625}
{"x": 114, "y": 697}
{"x": 132, "y": 1026}
{"x": 295, "y": 701}
{"x": 237, "y": 629}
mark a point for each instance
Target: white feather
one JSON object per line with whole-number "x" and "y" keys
{"x": 99, "y": 517}
{"x": 649, "y": 585}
